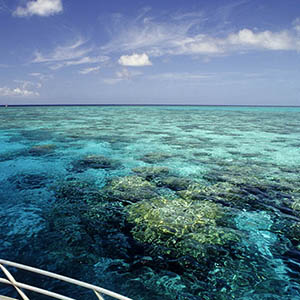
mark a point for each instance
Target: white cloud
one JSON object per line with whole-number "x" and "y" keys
{"x": 76, "y": 53}
{"x": 43, "y": 8}
{"x": 41, "y": 76}
{"x": 17, "y": 92}
{"x": 112, "y": 80}
{"x": 25, "y": 88}
{"x": 73, "y": 51}
{"x": 184, "y": 35}
{"x": 122, "y": 75}
{"x": 87, "y": 60}
{"x": 199, "y": 44}
{"x": 3, "y": 6}
{"x": 282, "y": 40}
{"x": 146, "y": 34}
{"x": 89, "y": 70}
{"x": 181, "y": 76}
{"x": 296, "y": 24}
{"x": 35, "y": 74}
{"x": 80, "y": 61}
{"x": 127, "y": 74}
{"x": 135, "y": 60}
{"x": 26, "y": 84}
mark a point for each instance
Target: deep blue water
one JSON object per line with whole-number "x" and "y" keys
{"x": 154, "y": 202}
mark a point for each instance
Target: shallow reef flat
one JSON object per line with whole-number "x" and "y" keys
{"x": 174, "y": 203}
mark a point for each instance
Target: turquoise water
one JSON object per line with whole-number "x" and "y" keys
{"x": 154, "y": 202}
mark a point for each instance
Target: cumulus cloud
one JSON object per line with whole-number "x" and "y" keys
{"x": 282, "y": 40}
{"x": 135, "y": 60}
{"x": 244, "y": 39}
{"x": 25, "y": 88}
{"x": 43, "y": 8}
{"x": 17, "y": 92}
{"x": 89, "y": 70}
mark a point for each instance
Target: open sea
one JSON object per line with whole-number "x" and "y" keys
{"x": 153, "y": 202}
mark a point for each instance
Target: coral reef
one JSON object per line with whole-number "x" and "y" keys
{"x": 174, "y": 183}
{"x": 129, "y": 189}
{"x": 161, "y": 177}
{"x": 181, "y": 226}
{"x": 80, "y": 218}
{"x": 150, "y": 173}
{"x": 44, "y": 149}
{"x": 68, "y": 221}
{"x": 295, "y": 204}
{"x": 95, "y": 162}
{"x": 28, "y": 181}
{"x": 155, "y": 157}
{"x": 76, "y": 191}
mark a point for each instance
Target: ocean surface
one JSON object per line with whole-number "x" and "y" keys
{"x": 153, "y": 202}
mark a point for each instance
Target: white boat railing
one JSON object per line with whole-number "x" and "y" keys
{"x": 99, "y": 292}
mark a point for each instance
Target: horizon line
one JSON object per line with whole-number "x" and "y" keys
{"x": 107, "y": 104}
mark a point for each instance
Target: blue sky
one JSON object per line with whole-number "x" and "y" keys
{"x": 142, "y": 52}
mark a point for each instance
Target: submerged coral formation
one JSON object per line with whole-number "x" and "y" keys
{"x": 95, "y": 162}
{"x": 296, "y": 202}
{"x": 174, "y": 183}
{"x": 179, "y": 225}
{"x": 28, "y": 181}
{"x": 43, "y": 149}
{"x": 80, "y": 218}
{"x": 129, "y": 189}
{"x": 162, "y": 177}
{"x": 155, "y": 157}
{"x": 150, "y": 173}
{"x": 195, "y": 232}
{"x": 76, "y": 191}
